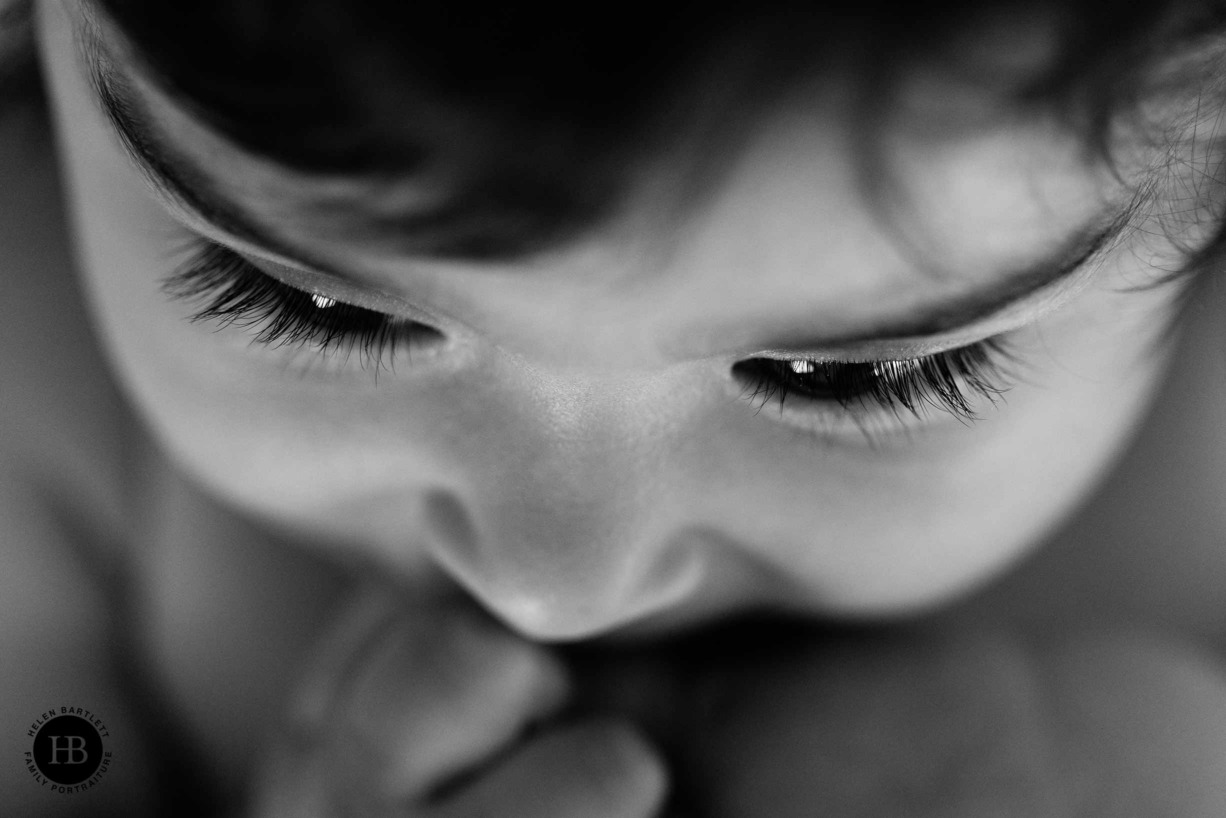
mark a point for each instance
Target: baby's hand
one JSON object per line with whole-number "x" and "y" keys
{"x": 936, "y": 725}
{"x": 439, "y": 711}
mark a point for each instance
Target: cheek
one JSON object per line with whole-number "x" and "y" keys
{"x": 868, "y": 532}
{"x": 954, "y": 515}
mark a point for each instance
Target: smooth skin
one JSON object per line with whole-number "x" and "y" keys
{"x": 579, "y": 454}
{"x": 619, "y": 356}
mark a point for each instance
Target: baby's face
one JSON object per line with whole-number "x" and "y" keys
{"x": 594, "y": 438}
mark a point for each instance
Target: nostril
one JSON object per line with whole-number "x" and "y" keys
{"x": 452, "y": 527}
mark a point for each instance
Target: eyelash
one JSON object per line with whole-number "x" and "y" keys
{"x": 235, "y": 292}
{"x": 953, "y": 382}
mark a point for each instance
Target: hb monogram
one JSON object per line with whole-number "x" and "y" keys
{"x": 74, "y": 748}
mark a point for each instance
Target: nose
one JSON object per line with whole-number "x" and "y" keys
{"x": 566, "y": 531}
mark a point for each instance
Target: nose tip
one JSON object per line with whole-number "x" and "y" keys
{"x": 562, "y": 569}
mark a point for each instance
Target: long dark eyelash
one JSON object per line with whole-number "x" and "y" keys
{"x": 949, "y": 381}
{"x": 235, "y": 292}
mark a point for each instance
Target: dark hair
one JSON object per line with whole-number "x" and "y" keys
{"x": 19, "y": 79}
{"x": 537, "y": 120}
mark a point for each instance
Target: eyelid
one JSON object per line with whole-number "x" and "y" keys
{"x": 329, "y": 286}
{"x": 295, "y": 274}
{"x": 298, "y": 274}
{"x": 1024, "y": 312}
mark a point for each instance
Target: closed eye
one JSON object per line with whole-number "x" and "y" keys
{"x": 230, "y": 290}
{"x": 957, "y": 382}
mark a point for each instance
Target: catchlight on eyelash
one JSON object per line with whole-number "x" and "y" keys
{"x": 322, "y": 301}
{"x": 894, "y": 369}
{"x": 881, "y": 369}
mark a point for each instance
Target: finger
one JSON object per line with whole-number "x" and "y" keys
{"x": 303, "y": 778}
{"x": 306, "y": 768}
{"x": 336, "y": 654}
{"x": 595, "y": 769}
{"x": 444, "y": 695}
{"x": 435, "y": 691}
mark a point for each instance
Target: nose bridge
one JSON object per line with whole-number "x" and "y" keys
{"x": 552, "y": 531}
